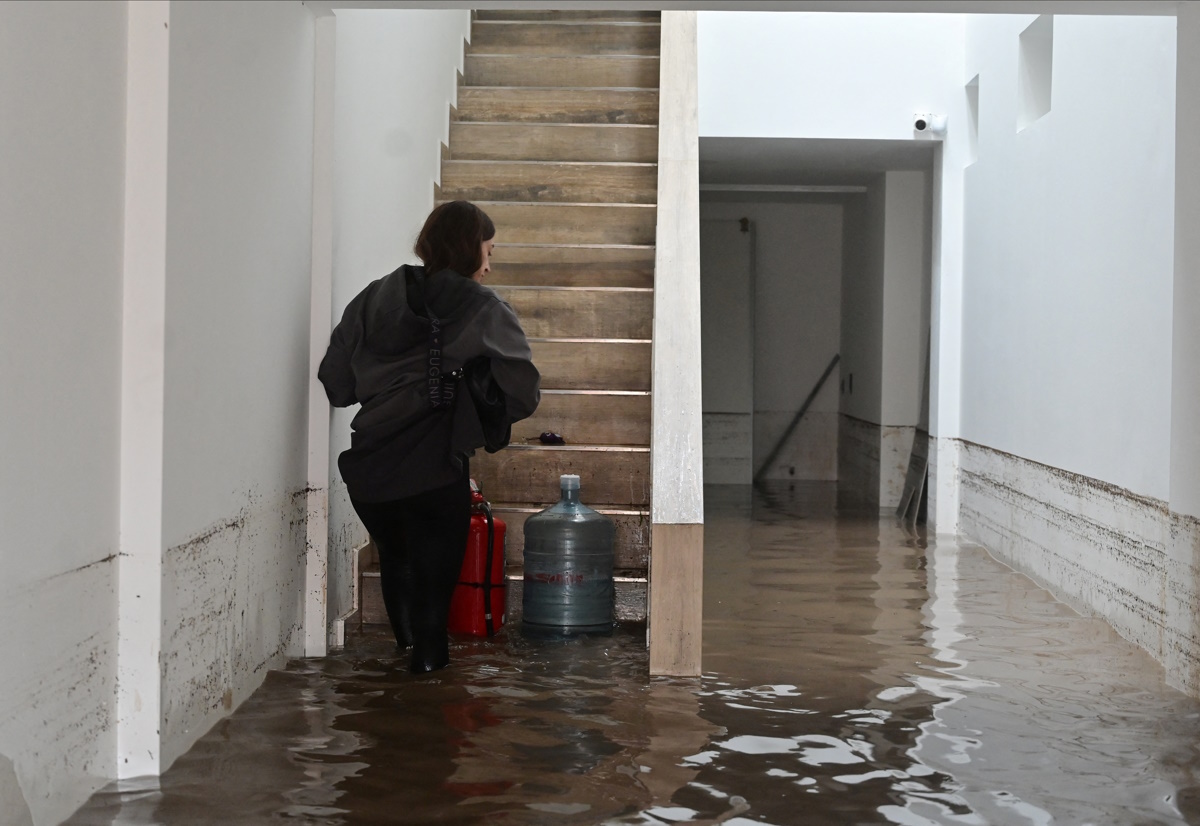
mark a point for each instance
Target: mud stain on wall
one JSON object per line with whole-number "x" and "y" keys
{"x": 57, "y": 709}
{"x": 14, "y": 811}
{"x": 1103, "y": 549}
{"x": 1183, "y": 603}
{"x": 232, "y": 609}
{"x": 858, "y": 460}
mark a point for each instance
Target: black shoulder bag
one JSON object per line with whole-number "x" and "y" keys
{"x": 489, "y": 400}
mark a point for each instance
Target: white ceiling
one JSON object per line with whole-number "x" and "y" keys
{"x": 803, "y": 162}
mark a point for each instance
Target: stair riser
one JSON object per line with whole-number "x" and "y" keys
{"x": 558, "y": 105}
{"x": 549, "y": 38}
{"x": 568, "y": 365}
{"x": 582, "y": 313}
{"x": 631, "y": 546}
{"x": 606, "y": 477}
{"x": 572, "y": 266}
{"x": 572, "y": 223}
{"x": 548, "y": 182}
{"x": 587, "y": 71}
{"x": 589, "y": 15}
{"x": 629, "y": 603}
{"x": 552, "y": 142}
{"x": 616, "y": 257}
{"x": 588, "y": 419}
{"x": 562, "y": 275}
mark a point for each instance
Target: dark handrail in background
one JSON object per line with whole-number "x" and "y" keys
{"x": 795, "y": 421}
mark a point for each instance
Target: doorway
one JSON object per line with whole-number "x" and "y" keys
{"x": 816, "y": 259}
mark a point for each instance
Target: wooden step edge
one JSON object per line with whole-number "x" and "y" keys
{"x": 613, "y": 164}
{"x": 533, "y": 14}
{"x": 579, "y": 246}
{"x": 580, "y": 448}
{"x": 494, "y": 89}
{"x": 527, "y": 204}
{"x": 539, "y": 125}
{"x": 465, "y": 85}
{"x": 596, "y": 392}
{"x": 568, "y": 56}
{"x": 524, "y": 287}
{"x": 566, "y": 340}
{"x": 485, "y": 21}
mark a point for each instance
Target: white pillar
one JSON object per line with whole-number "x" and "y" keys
{"x": 1185, "y": 347}
{"x": 316, "y": 577}
{"x": 1181, "y": 648}
{"x": 139, "y": 622}
{"x": 945, "y": 376}
{"x": 677, "y": 460}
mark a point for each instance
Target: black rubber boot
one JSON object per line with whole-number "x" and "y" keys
{"x": 426, "y": 659}
{"x": 437, "y": 572}
{"x": 395, "y": 576}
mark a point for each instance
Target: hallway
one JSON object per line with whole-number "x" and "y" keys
{"x": 852, "y": 674}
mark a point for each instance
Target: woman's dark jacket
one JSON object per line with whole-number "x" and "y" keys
{"x": 378, "y": 357}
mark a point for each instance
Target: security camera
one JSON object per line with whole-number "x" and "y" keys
{"x": 926, "y": 123}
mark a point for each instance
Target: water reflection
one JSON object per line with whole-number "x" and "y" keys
{"x": 855, "y": 673}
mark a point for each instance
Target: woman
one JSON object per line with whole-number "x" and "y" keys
{"x": 407, "y": 467}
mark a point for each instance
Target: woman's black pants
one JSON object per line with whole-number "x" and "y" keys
{"x": 421, "y": 541}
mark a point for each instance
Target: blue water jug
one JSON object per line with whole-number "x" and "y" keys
{"x": 568, "y": 568}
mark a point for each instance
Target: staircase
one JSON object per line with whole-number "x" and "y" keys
{"x": 555, "y": 136}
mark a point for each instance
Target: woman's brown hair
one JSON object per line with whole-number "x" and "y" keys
{"x": 453, "y": 237}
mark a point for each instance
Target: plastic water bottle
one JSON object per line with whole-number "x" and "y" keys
{"x": 568, "y": 568}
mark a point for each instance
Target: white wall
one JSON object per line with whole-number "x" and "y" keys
{"x": 396, "y": 78}
{"x": 61, "y": 207}
{"x": 797, "y": 292}
{"x": 906, "y": 259}
{"x": 906, "y": 295}
{"x": 239, "y": 200}
{"x": 824, "y": 75}
{"x": 1069, "y": 252}
{"x": 727, "y": 348}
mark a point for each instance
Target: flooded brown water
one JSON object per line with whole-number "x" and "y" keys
{"x": 854, "y": 673}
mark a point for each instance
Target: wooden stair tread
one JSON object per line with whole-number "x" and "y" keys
{"x": 564, "y": 14}
{"x": 480, "y": 87}
{"x": 508, "y": 140}
{"x": 566, "y": 55}
{"x": 625, "y": 71}
{"x": 538, "y": 222}
{"x": 519, "y": 162}
{"x": 565, "y": 37}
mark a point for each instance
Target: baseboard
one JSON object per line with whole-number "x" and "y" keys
{"x": 337, "y": 629}
{"x": 1104, "y": 550}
